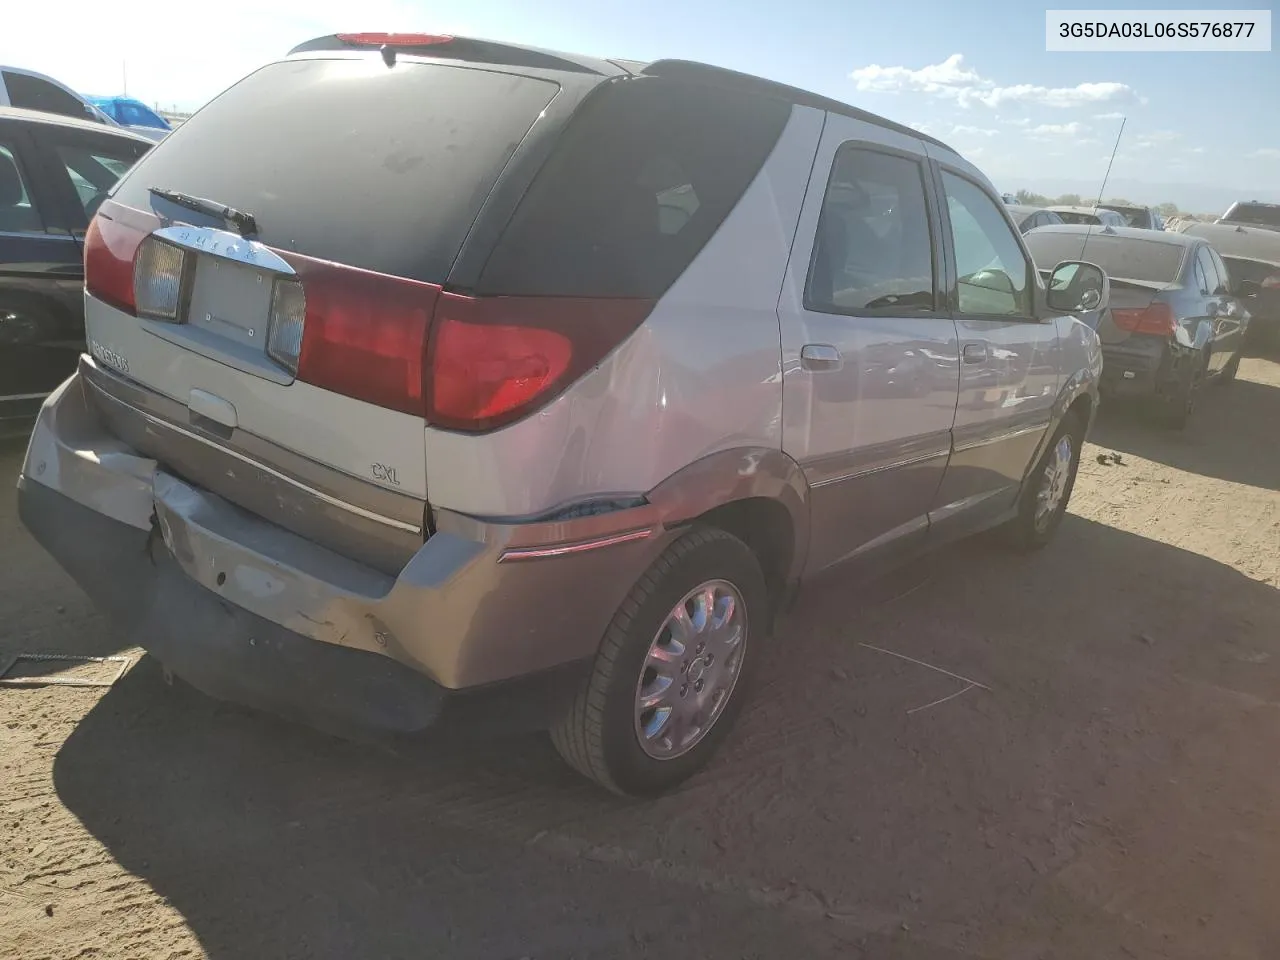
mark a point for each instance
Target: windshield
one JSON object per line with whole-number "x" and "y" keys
{"x": 380, "y": 169}
{"x": 1124, "y": 258}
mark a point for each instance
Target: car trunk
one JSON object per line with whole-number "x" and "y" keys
{"x": 1131, "y": 296}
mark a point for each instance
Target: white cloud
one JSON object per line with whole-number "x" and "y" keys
{"x": 953, "y": 80}
{"x": 961, "y": 129}
{"x": 1108, "y": 116}
{"x": 1157, "y": 138}
{"x": 1196, "y": 150}
{"x": 1072, "y": 129}
{"x": 1266, "y": 153}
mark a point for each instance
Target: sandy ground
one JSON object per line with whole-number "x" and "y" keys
{"x": 1113, "y": 791}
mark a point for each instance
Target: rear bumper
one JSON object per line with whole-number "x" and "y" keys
{"x": 252, "y": 613}
{"x": 1143, "y": 366}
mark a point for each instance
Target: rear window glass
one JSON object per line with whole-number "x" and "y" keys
{"x": 1255, "y": 270}
{"x": 641, "y": 178}
{"x": 348, "y": 160}
{"x": 1070, "y": 216}
{"x": 1264, "y": 214}
{"x": 1134, "y": 216}
{"x": 1125, "y": 258}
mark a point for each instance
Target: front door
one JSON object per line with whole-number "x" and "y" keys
{"x": 868, "y": 347}
{"x": 1008, "y": 359}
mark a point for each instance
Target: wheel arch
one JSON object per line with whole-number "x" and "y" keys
{"x": 758, "y": 494}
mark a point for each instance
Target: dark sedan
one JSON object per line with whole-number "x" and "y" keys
{"x": 1250, "y": 253}
{"x": 54, "y": 171}
{"x": 1176, "y": 317}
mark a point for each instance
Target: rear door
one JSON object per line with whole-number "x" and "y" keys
{"x": 1231, "y": 314}
{"x": 1009, "y": 358}
{"x": 362, "y": 182}
{"x": 1214, "y": 305}
{"x": 869, "y": 353}
{"x": 40, "y": 279}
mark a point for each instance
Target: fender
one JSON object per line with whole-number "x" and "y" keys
{"x": 1079, "y": 344}
{"x": 733, "y": 475}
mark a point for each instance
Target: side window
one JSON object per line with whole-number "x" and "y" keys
{"x": 1224, "y": 276}
{"x": 94, "y": 164}
{"x": 991, "y": 269}
{"x": 635, "y": 187}
{"x": 32, "y": 93}
{"x": 1211, "y": 281}
{"x": 18, "y": 213}
{"x": 1201, "y": 278}
{"x": 873, "y": 251}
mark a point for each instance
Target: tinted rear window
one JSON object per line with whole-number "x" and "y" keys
{"x": 1255, "y": 270}
{"x": 1125, "y": 258}
{"x": 1069, "y": 216}
{"x": 642, "y": 177}
{"x": 1267, "y": 215}
{"x": 349, "y": 160}
{"x": 1135, "y": 216}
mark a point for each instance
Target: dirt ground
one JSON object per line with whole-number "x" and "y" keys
{"x": 1112, "y": 790}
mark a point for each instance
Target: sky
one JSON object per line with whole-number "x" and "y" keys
{"x": 976, "y": 75}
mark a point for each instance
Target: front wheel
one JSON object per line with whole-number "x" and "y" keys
{"x": 1048, "y": 487}
{"x": 670, "y": 674}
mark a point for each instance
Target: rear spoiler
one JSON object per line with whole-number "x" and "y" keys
{"x": 467, "y": 49}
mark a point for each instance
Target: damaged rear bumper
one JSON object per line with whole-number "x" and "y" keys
{"x": 489, "y": 623}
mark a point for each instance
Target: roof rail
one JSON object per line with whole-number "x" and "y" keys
{"x": 692, "y": 70}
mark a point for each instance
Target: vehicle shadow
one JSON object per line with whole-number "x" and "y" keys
{"x": 1225, "y": 439}
{"x": 833, "y": 822}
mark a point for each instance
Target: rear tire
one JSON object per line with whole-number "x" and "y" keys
{"x": 1047, "y": 490}
{"x": 1228, "y": 374}
{"x": 1176, "y": 411}
{"x": 652, "y": 658}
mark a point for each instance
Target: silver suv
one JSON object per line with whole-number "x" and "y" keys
{"x": 432, "y": 381}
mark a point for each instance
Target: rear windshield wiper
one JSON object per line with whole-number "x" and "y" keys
{"x": 244, "y": 223}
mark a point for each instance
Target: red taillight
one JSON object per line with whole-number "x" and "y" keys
{"x": 493, "y": 359}
{"x": 394, "y": 39}
{"x": 1272, "y": 282}
{"x": 365, "y": 333}
{"x": 1156, "y": 318}
{"x": 109, "y": 250}
{"x": 481, "y": 373}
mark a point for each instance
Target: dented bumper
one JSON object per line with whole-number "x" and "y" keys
{"x": 250, "y": 612}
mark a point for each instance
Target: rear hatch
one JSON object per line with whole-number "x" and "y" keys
{"x": 271, "y": 269}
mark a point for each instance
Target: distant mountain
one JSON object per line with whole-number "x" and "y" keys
{"x": 1192, "y": 197}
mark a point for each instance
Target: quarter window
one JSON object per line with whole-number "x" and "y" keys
{"x": 1211, "y": 281}
{"x": 18, "y": 213}
{"x": 95, "y": 168}
{"x": 873, "y": 252}
{"x": 991, "y": 269}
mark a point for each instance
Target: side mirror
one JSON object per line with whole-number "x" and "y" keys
{"x": 1078, "y": 287}
{"x": 1247, "y": 288}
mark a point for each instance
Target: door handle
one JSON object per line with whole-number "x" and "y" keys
{"x": 974, "y": 352}
{"x": 819, "y": 356}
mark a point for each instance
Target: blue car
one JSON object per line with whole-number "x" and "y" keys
{"x": 133, "y": 114}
